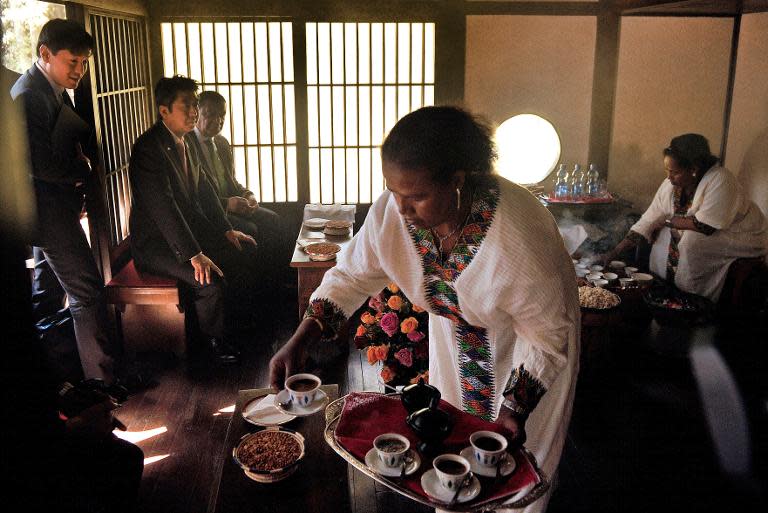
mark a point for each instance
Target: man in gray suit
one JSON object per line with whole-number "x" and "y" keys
{"x": 240, "y": 204}
{"x": 60, "y": 173}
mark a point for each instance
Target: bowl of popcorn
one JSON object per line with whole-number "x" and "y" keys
{"x": 597, "y": 299}
{"x": 322, "y": 251}
{"x": 269, "y": 455}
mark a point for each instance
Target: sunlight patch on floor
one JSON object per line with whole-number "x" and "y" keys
{"x": 153, "y": 459}
{"x": 139, "y": 436}
{"x": 226, "y": 409}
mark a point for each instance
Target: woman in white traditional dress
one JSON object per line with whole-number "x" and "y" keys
{"x": 485, "y": 258}
{"x": 699, "y": 222}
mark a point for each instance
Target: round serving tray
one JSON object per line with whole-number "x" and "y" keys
{"x": 332, "y": 416}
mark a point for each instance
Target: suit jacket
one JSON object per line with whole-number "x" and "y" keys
{"x": 167, "y": 214}
{"x": 41, "y": 107}
{"x": 231, "y": 186}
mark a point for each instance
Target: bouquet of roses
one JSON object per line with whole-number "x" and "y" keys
{"x": 394, "y": 332}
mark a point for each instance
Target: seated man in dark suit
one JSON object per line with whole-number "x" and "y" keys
{"x": 60, "y": 175}
{"x": 178, "y": 226}
{"x": 243, "y": 210}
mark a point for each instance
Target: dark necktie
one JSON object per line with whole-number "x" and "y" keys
{"x": 66, "y": 99}
{"x": 181, "y": 150}
{"x": 218, "y": 167}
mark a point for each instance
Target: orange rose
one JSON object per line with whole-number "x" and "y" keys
{"x": 387, "y": 374}
{"x": 395, "y": 302}
{"x": 409, "y": 324}
{"x": 417, "y": 309}
{"x": 382, "y": 352}
{"x": 367, "y": 318}
{"x": 360, "y": 331}
{"x": 371, "y": 354}
{"x": 393, "y": 288}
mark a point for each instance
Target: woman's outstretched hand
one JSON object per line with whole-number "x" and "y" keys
{"x": 292, "y": 357}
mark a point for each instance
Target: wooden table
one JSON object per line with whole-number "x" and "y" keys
{"x": 319, "y": 485}
{"x": 310, "y": 273}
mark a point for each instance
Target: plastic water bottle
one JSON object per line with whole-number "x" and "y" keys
{"x": 577, "y": 183}
{"x": 562, "y": 188}
{"x": 593, "y": 182}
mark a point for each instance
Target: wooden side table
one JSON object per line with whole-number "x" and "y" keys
{"x": 310, "y": 273}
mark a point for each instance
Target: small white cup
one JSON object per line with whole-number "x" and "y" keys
{"x": 451, "y": 470}
{"x": 596, "y": 267}
{"x": 629, "y": 271}
{"x": 391, "y": 448}
{"x": 581, "y": 272}
{"x": 627, "y": 283}
{"x": 611, "y": 277}
{"x": 617, "y": 264}
{"x": 300, "y": 390}
{"x": 600, "y": 283}
{"x": 643, "y": 279}
{"x": 594, "y": 276}
{"x": 488, "y": 447}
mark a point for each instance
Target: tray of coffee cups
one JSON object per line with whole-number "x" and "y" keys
{"x": 474, "y": 470}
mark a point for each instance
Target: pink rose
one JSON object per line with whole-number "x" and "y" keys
{"x": 405, "y": 357}
{"x": 415, "y": 336}
{"x": 389, "y": 323}
{"x": 375, "y": 303}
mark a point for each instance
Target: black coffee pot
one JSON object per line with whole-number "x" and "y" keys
{"x": 419, "y": 395}
{"x": 431, "y": 424}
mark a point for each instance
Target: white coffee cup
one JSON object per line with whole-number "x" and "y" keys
{"x": 391, "y": 448}
{"x": 451, "y": 470}
{"x": 629, "y": 270}
{"x": 596, "y": 267}
{"x": 600, "y": 283}
{"x": 302, "y": 388}
{"x": 488, "y": 447}
{"x": 627, "y": 283}
{"x": 611, "y": 277}
{"x": 617, "y": 264}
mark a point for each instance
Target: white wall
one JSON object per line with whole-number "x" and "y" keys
{"x": 747, "y": 151}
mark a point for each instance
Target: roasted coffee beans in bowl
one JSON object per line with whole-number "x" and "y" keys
{"x": 269, "y": 455}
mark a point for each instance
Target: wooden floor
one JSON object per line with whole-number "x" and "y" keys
{"x": 637, "y": 441}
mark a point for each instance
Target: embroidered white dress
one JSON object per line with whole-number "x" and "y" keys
{"x": 504, "y": 310}
{"x": 720, "y": 202}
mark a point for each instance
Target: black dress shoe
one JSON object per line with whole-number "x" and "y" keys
{"x": 221, "y": 351}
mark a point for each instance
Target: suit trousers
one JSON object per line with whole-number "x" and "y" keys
{"x": 266, "y": 227}
{"x": 213, "y": 303}
{"x": 61, "y": 242}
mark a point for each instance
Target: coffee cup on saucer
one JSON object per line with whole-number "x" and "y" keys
{"x": 451, "y": 470}
{"x": 391, "y": 448}
{"x": 488, "y": 447}
{"x": 302, "y": 388}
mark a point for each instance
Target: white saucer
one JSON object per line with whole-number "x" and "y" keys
{"x": 432, "y": 487}
{"x": 321, "y": 399}
{"x": 507, "y": 467}
{"x": 316, "y": 223}
{"x": 374, "y": 462}
{"x": 268, "y": 416}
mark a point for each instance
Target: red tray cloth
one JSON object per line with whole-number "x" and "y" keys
{"x": 367, "y": 415}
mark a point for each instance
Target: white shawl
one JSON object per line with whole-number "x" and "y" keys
{"x": 520, "y": 286}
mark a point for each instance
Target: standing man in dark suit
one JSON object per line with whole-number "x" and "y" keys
{"x": 178, "y": 226}
{"x": 60, "y": 172}
{"x": 240, "y": 204}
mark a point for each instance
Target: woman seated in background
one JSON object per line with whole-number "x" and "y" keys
{"x": 699, "y": 221}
